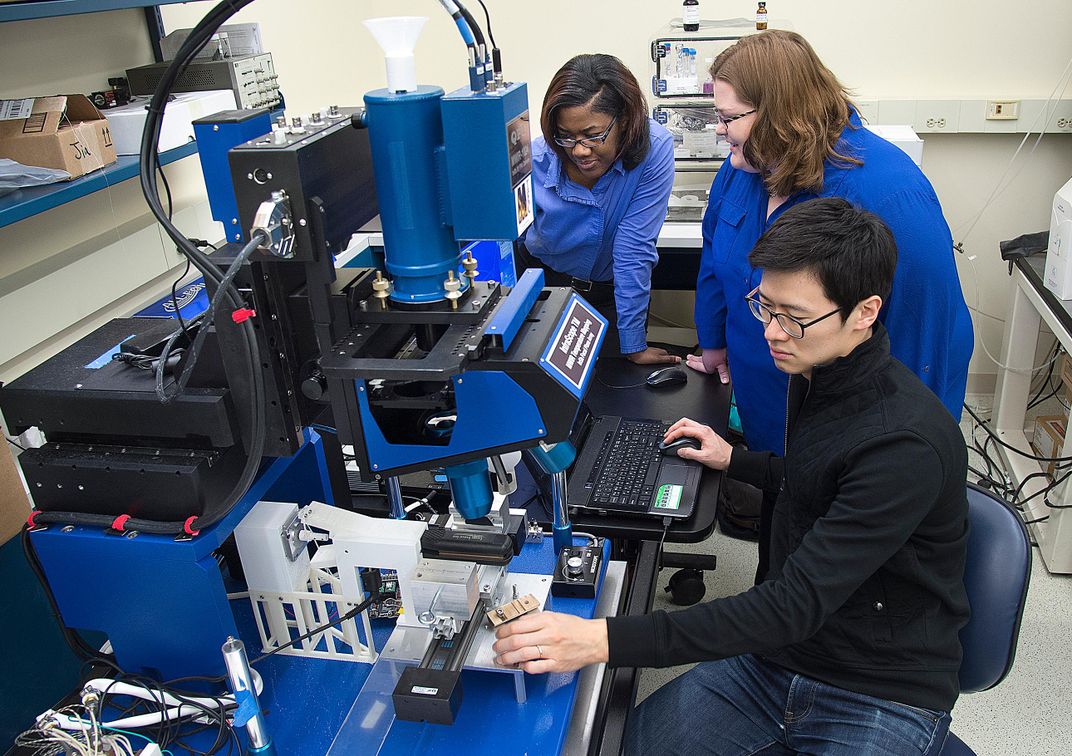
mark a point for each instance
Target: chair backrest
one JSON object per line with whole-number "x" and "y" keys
{"x": 996, "y": 576}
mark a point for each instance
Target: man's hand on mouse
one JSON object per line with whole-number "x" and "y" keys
{"x": 714, "y": 451}
{"x": 711, "y": 361}
{"x": 653, "y": 356}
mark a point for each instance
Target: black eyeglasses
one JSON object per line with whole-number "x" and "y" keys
{"x": 592, "y": 141}
{"x": 792, "y": 326}
{"x": 727, "y": 120}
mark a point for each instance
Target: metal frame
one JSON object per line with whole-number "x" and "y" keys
{"x": 1032, "y": 304}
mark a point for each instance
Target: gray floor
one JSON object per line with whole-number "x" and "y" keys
{"x": 1028, "y": 713}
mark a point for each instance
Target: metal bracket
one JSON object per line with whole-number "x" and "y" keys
{"x": 293, "y": 546}
{"x": 273, "y": 219}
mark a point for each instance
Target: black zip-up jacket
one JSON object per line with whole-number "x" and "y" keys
{"x": 865, "y": 582}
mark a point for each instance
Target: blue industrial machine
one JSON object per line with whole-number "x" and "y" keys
{"x": 416, "y": 366}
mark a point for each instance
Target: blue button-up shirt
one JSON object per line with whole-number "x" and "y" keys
{"x": 927, "y": 319}
{"x": 568, "y": 232}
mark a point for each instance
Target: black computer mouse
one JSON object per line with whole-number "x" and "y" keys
{"x": 668, "y": 376}
{"x": 673, "y": 446}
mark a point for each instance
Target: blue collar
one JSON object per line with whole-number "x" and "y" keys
{"x": 557, "y": 177}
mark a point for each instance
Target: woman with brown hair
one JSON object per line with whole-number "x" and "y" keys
{"x": 601, "y": 176}
{"x": 795, "y": 135}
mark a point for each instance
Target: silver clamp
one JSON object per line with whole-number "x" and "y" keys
{"x": 274, "y": 220}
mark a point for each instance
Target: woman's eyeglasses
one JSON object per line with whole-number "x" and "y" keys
{"x": 726, "y": 120}
{"x": 592, "y": 141}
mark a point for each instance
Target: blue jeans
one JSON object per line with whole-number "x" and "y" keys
{"x": 745, "y": 705}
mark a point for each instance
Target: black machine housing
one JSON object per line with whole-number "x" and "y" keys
{"x": 115, "y": 449}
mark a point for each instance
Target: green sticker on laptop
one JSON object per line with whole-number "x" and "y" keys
{"x": 668, "y": 496}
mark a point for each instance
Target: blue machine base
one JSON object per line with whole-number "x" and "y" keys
{"x": 161, "y": 602}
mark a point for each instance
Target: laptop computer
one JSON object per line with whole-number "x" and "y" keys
{"x": 620, "y": 470}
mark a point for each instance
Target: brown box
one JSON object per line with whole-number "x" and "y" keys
{"x": 14, "y": 505}
{"x": 1048, "y": 437}
{"x": 65, "y": 132}
{"x": 1065, "y": 368}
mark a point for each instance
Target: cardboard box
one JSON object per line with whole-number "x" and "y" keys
{"x": 14, "y": 504}
{"x": 1048, "y": 438}
{"x": 127, "y": 122}
{"x": 65, "y": 132}
{"x": 1065, "y": 368}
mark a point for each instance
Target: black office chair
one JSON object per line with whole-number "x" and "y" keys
{"x": 996, "y": 576}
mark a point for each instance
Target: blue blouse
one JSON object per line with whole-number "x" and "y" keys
{"x": 928, "y": 322}
{"x": 568, "y": 231}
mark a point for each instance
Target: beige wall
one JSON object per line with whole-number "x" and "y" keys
{"x": 914, "y": 49}
{"x": 911, "y": 49}
{"x": 66, "y": 271}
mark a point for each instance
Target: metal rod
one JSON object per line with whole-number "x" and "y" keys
{"x": 394, "y": 498}
{"x": 561, "y": 527}
{"x": 238, "y": 672}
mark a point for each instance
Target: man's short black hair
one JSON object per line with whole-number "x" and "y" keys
{"x": 849, "y": 250}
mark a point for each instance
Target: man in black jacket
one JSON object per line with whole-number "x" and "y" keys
{"x": 850, "y": 644}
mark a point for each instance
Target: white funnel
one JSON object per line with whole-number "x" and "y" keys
{"x": 397, "y": 36}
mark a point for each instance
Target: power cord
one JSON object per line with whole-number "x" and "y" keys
{"x": 662, "y": 540}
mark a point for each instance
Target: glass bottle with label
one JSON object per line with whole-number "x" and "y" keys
{"x": 761, "y": 17}
{"x": 690, "y": 15}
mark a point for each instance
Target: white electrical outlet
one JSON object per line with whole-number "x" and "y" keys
{"x": 1002, "y": 110}
{"x": 1059, "y": 117}
{"x": 937, "y": 116}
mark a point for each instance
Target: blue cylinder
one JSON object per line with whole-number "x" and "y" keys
{"x": 471, "y": 486}
{"x": 562, "y": 537}
{"x": 554, "y": 458}
{"x": 406, "y": 135}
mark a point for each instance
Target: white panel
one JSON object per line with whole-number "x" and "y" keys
{"x": 897, "y": 111}
{"x": 868, "y": 110}
{"x": 972, "y": 115}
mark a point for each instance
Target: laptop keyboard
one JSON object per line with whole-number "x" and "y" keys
{"x": 627, "y": 466}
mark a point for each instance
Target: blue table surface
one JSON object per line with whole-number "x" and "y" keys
{"x": 307, "y": 700}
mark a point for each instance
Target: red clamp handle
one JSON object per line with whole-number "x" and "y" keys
{"x": 186, "y": 526}
{"x": 30, "y": 520}
{"x": 243, "y": 314}
{"x": 119, "y": 522}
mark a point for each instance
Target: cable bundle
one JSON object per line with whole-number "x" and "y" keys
{"x": 112, "y": 711}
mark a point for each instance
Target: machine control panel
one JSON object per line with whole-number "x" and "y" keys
{"x": 577, "y": 572}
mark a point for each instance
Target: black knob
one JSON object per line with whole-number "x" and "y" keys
{"x": 314, "y": 387}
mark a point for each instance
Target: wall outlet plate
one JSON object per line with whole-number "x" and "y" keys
{"x": 1002, "y": 110}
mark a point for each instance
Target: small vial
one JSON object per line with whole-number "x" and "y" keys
{"x": 761, "y": 17}
{"x": 690, "y": 15}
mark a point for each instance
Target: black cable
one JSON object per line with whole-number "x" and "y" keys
{"x": 1051, "y": 354}
{"x": 338, "y": 621}
{"x": 1010, "y": 447}
{"x": 487, "y": 17}
{"x": 1047, "y": 490}
{"x": 148, "y": 157}
{"x": 662, "y": 540}
{"x": 175, "y": 299}
{"x": 15, "y": 444}
{"x": 77, "y": 644}
{"x": 478, "y": 33}
{"x": 167, "y": 187}
{"x": 213, "y": 310}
